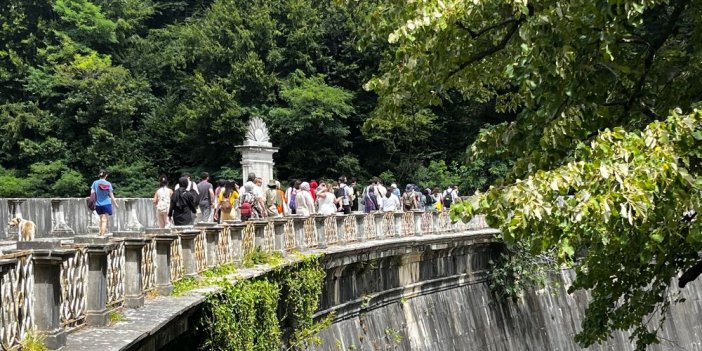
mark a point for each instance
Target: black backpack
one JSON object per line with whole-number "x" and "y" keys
{"x": 448, "y": 199}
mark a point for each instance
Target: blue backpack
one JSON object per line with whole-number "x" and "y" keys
{"x": 293, "y": 199}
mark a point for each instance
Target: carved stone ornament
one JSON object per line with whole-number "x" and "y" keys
{"x": 257, "y": 134}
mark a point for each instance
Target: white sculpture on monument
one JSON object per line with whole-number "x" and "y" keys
{"x": 257, "y": 151}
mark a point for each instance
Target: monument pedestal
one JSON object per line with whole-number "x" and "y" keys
{"x": 257, "y": 151}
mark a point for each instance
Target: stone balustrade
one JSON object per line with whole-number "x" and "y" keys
{"x": 54, "y": 285}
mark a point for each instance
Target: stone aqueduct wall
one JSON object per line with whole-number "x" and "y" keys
{"x": 435, "y": 297}
{"x": 60, "y": 282}
{"x": 405, "y": 281}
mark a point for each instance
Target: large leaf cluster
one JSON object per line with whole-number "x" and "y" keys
{"x": 601, "y": 169}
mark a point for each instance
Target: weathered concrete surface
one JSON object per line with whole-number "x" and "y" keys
{"x": 163, "y": 319}
{"x": 77, "y": 215}
{"x": 411, "y": 293}
{"x": 458, "y": 312}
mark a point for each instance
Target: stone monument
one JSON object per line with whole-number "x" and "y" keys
{"x": 257, "y": 151}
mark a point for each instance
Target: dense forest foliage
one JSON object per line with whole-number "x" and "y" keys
{"x": 144, "y": 87}
{"x": 606, "y": 144}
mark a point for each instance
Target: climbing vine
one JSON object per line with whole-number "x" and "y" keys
{"x": 304, "y": 287}
{"x": 516, "y": 270}
{"x": 268, "y": 313}
{"x": 243, "y": 317}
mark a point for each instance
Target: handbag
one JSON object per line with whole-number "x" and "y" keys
{"x": 91, "y": 201}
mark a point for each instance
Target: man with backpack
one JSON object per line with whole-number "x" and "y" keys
{"x": 343, "y": 195}
{"x": 409, "y": 199}
{"x": 450, "y": 197}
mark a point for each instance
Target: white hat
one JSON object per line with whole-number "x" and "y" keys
{"x": 393, "y": 185}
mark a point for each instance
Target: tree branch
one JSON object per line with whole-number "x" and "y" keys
{"x": 475, "y": 35}
{"x": 653, "y": 49}
{"x": 501, "y": 45}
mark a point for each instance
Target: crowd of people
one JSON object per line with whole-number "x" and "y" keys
{"x": 190, "y": 202}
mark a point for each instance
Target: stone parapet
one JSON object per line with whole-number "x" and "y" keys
{"x": 91, "y": 275}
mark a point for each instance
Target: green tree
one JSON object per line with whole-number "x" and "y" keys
{"x": 600, "y": 171}
{"x": 310, "y": 129}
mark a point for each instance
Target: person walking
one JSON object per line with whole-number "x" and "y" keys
{"x": 273, "y": 199}
{"x": 191, "y": 187}
{"x": 305, "y": 204}
{"x": 183, "y": 204}
{"x": 227, "y": 199}
{"x": 220, "y": 188}
{"x": 344, "y": 195}
{"x": 313, "y": 189}
{"x": 162, "y": 201}
{"x": 390, "y": 202}
{"x": 247, "y": 202}
{"x": 291, "y": 195}
{"x": 356, "y": 194}
{"x": 326, "y": 200}
{"x": 282, "y": 208}
{"x": 370, "y": 202}
{"x": 204, "y": 188}
{"x": 409, "y": 199}
{"x": 104, "y": 199}
{"x": 395, "y": 190}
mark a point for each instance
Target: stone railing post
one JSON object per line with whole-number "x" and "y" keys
{"x": 164, "y": 285}
{"x": 319, "y": 230}
{"x": 259, "y": 234}
{"x": 59, "y": 227}
{"x": 360, "y": 220}
{"x": 134, "y": 243}
{"x": 299, "y": 229}
{"x": 211, "y": 242}
{"x": 435, "y": 226}
{"x": 236, "y": 236}
{"x": 417, "y": 220}
{"x": 378, "y": 221}
{"x": 16, "y": 319}
{"x": 187, "y": 241}
{"x": 48, "y": 257}
{"x": 14, "y": 210}
{"x": 341, "y": 235}
{"x": 279, "y": 235}
{"x": 97, "y": 248}
{"x": 132, "y": 221}
{"x": 399, "y": 227}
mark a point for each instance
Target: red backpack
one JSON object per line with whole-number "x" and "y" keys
{"x": 245, "y": 207}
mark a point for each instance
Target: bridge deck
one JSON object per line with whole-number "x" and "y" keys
{"x": 160, "y": 312}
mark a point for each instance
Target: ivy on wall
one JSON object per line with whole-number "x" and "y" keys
{"x": 269, "y": 313}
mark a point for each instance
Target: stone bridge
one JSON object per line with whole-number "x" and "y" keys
{"x": 396, "y": 281}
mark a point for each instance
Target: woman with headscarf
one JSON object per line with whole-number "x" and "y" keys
{"x": 182, "y": 204}
{"x": 313, "y": 189}
{"x": 305, "y": 203}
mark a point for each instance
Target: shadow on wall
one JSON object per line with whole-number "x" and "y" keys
{"x": 76, "y": 214}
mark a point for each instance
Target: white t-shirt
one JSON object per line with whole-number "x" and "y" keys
{"x": 381, "y": 190}
{"x": 347, "y": 194}
{"x": 326, "y": 204}
{"x": 390, "y": 204}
